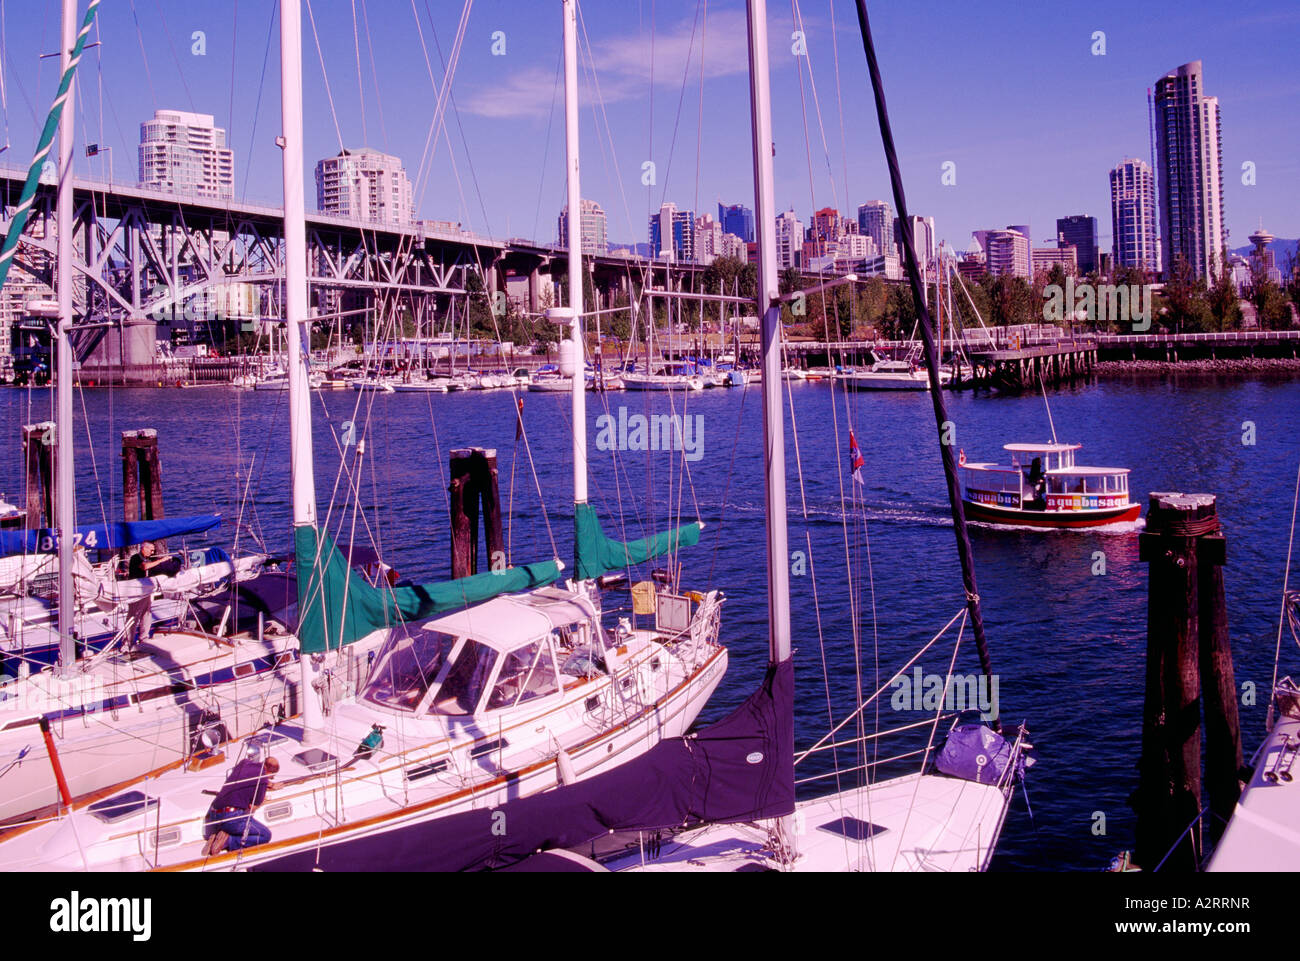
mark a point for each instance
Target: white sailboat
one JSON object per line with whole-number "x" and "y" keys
{"x": 104, "y": 714}
{"x": 504, "y": 700}
{"x": 1263, "y": 833}
{"x": 736, "y": 776}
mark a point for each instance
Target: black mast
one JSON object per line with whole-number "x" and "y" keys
{"x": 931, "y": 354}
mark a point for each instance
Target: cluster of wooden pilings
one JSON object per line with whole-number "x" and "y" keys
{"x": 1025, "y": 368}
{"x": 142, "y": 491}
{"x": 1189, "y": 670}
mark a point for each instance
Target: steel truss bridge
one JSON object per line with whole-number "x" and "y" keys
{"x": 145, "y": 257}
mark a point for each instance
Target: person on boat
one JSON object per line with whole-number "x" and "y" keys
{"x": 1037, "y": 480}
{"x": 143, "y": 562}
{"x": 229, "y": 823}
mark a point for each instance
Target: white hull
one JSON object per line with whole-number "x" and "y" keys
{"x": 662, "y": 382}
{"x": 1264, "y": 831}
{"x": 379, "y": 794}
{"x": 154, "y": 703}
{"x": 913, "y": 823}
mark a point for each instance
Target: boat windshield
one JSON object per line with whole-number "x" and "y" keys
{"x": 462, "y": 687}
{"x": 408, "y": 668}
{"x": 527, "y": 672}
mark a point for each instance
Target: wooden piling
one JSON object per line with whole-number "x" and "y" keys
{"x": 1187, "y": 652}
{"x": 40, "y": 447}
{"x": 474, "y": 487}
{"x": 1218, "y": 685}
{"x": 142, "y": 495}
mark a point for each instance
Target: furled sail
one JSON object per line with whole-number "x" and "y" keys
{"x": 337, "y": 607}
{"x": 596, "y": 554}
{"x": 111, "y": 536}
{"x": 739, "y": 769}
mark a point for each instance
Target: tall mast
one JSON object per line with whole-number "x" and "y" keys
{"x": 65, "y": 495}
{"x": 302, "y": 476}
{"x": 575, "y": 250}
{"x": 769, "y": 307}
{"x": 778, "y": 571}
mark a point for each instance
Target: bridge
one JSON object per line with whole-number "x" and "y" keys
{"x": 147, "y": 259}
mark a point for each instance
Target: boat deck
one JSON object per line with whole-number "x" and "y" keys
{"x": 914, "y": 823}
{"x": 1262, "y": 835}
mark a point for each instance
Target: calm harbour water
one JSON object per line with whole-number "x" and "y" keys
{"x": 1068, "y": 645}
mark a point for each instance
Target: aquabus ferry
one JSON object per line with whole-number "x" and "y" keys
{"x": 1043, "y": 487}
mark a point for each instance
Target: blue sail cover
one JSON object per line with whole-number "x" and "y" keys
{"x": 112, "y": 536}
{"x": 739, "y": 769}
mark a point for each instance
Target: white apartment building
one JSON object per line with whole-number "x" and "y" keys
{"x": 595, "y": 239}
{"x": 186, "y": 152}
{"x": 365, "y": 185}
{"x": 789, "y": 240}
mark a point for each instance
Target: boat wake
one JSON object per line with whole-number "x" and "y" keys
{"x": 1119, "y": 527}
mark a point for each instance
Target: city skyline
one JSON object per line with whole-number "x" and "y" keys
{"x": 1022, "y": 160}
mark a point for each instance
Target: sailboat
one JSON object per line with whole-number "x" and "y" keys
{"x": 107, "y": 711}
{"x": 731, "y": 784}
{"x": 1261, "y": 834}
{"x": 524, "y": 692}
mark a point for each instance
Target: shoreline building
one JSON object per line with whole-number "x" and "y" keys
{"x": 592, "y": 223}
{"x": 1080, "y": 232}
{"x": 1189, "y": 156}
{"x": 186, "y": 152}
{"x": 1005, "y": 251}
{"x": 672, "y": 234}
{"x": 877, "y": 222}
{"x": 1133, "y": 216}
{"x": 365, "y": 185}
{"x": 737, "y": 219}
{"x": 922, "y": 240}
{"x": 789, "y": 240}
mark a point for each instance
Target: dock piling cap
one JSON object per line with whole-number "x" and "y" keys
{"x": 1179, "y": 514}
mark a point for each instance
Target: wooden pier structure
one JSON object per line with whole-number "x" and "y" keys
{"x": 1024, "y": 368}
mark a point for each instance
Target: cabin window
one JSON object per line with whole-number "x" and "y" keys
{"x": 463, "y": 686}
{"x": 408, "y": 668}
{"x": 526, "y": 673}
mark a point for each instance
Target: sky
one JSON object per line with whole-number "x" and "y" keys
{"x": 1016, "y": 96}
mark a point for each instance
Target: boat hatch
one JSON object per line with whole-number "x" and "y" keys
{"x": 314, "y": 758}
{"x": 122, "y": 806}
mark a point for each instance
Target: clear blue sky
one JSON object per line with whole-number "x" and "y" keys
{"x": 1010, "y": 92}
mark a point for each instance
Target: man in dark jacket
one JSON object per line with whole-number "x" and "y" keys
{"x": 229, "y": 822}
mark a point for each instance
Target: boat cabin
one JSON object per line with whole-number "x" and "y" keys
{"x": 493, "y": 657}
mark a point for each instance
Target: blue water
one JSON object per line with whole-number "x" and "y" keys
{"x": 1068, "y": 645}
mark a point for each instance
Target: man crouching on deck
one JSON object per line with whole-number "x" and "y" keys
{"x": 229, "y": 822}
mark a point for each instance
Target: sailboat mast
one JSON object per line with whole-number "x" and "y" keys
{"x": 302, "y": 475}
{"x": 575, "y": 250}
{"x": 65, "y": 494}
{"x": 769, "y": 307}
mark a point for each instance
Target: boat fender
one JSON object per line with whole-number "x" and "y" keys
{"x": 961, "y": 457}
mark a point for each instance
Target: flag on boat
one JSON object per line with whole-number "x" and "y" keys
{"x": 856, "y": 460}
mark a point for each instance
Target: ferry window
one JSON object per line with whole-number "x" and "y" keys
{"x": 408, "y": 668}
{"x": 463, "y": 687}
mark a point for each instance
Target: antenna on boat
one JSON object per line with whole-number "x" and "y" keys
{"x": 1043, "y": 387}
{"x": 302, "y": 475}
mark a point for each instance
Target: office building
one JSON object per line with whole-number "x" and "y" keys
{"x": 1080, "y": 232}
{"x": 1133, "y": 216}
{"x": 594, "y": 236}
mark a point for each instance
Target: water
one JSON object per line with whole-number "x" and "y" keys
{"x": 1068, "y": 645}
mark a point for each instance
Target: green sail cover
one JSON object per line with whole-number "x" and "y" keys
{"x": 336, "y": 606}
{"x": 596, "y": 554}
